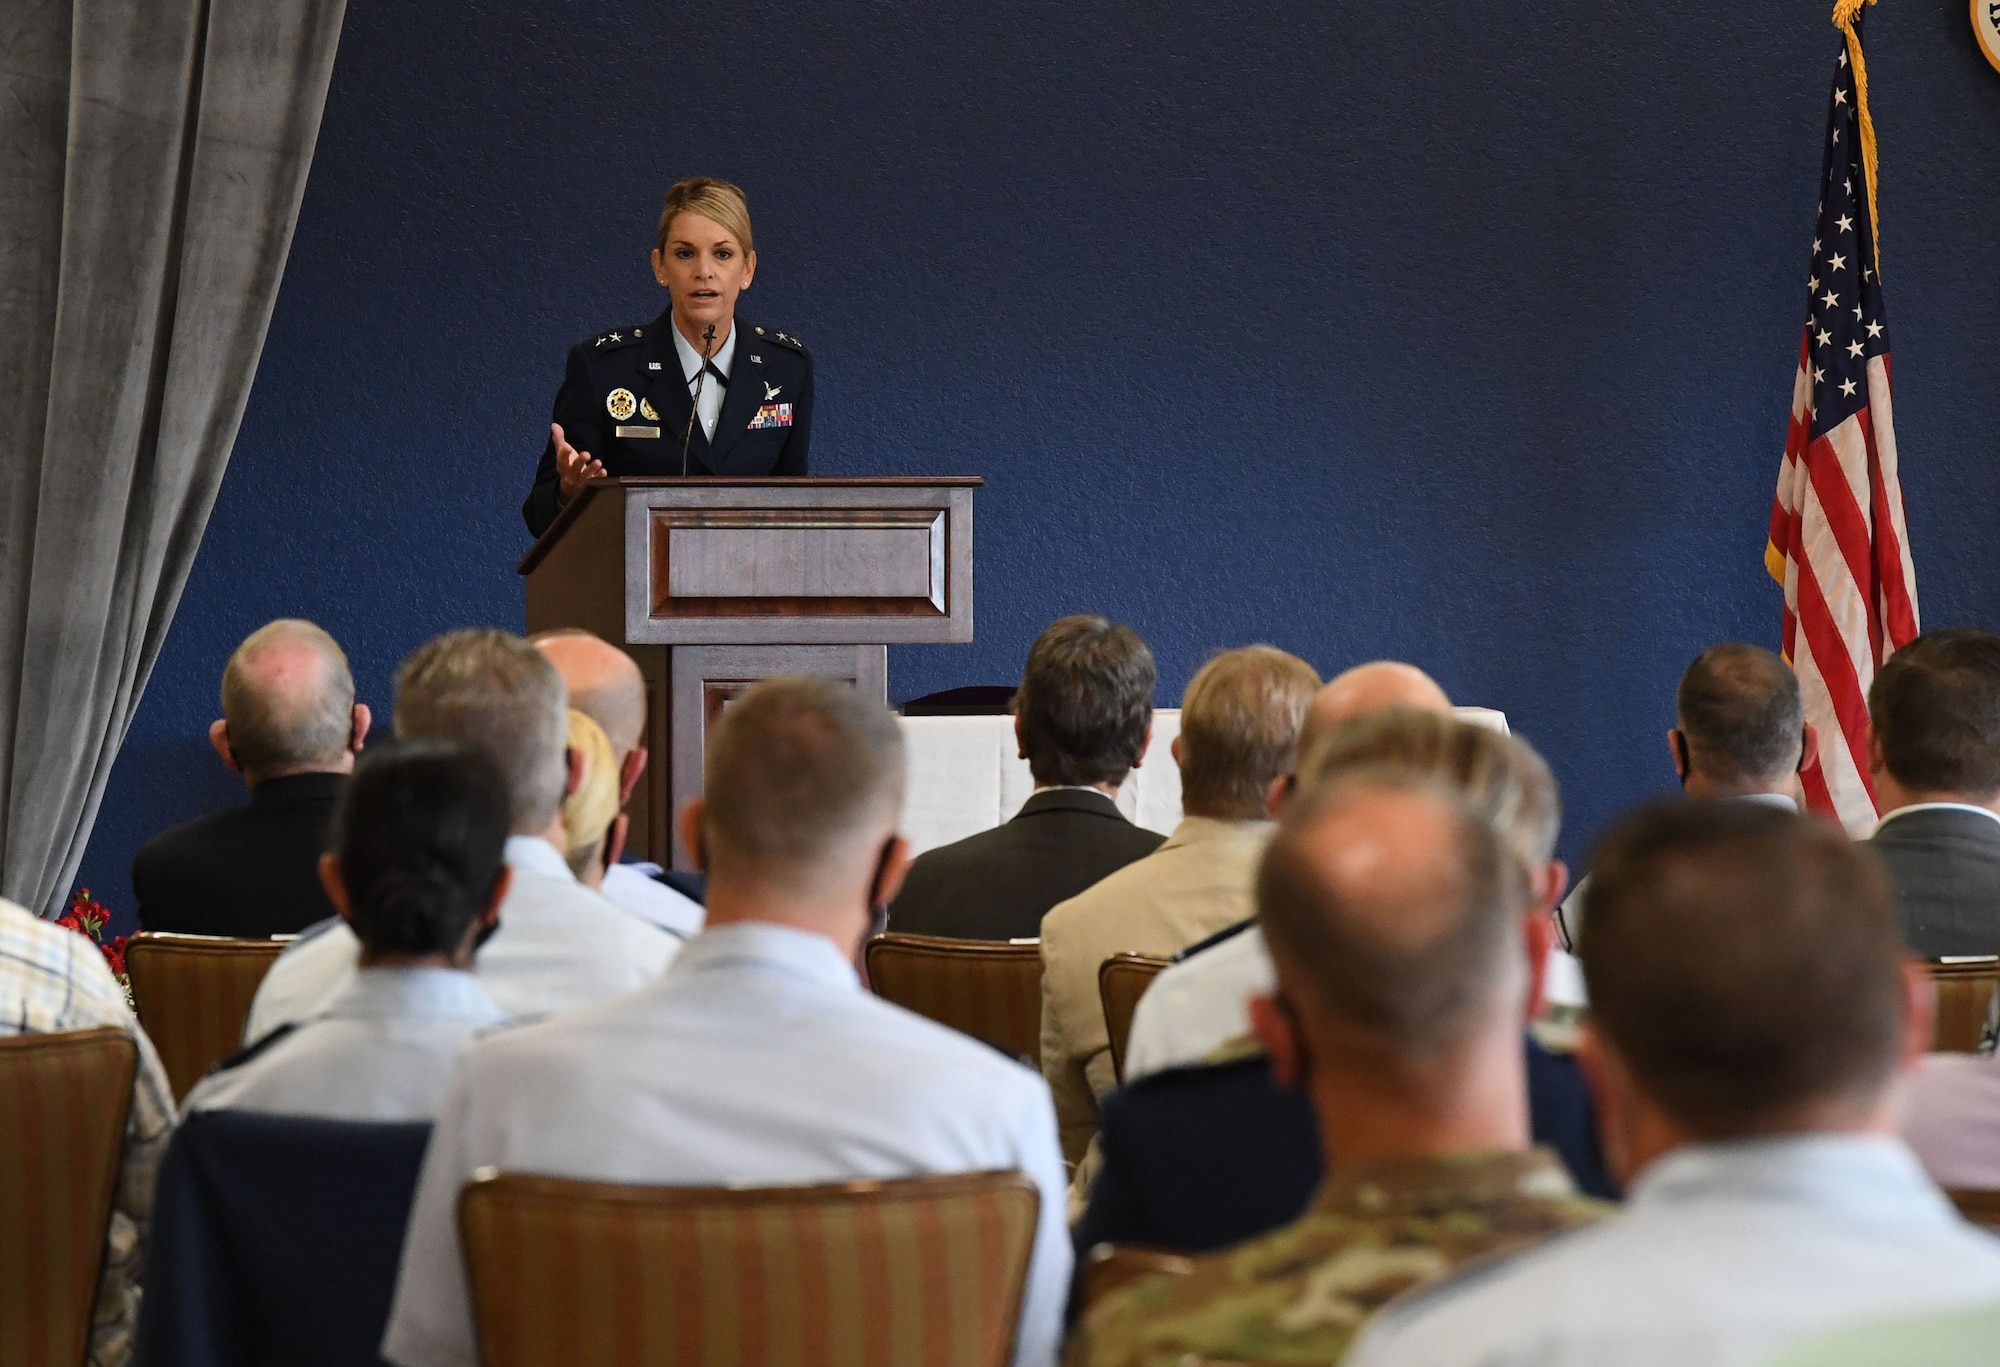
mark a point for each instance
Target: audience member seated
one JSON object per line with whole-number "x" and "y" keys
{"x": 1240, "y": 723}
{"x": 1082, "y": 716}
{"x": 559, "y": 944}
{"x": 1750, "y": 1005}
{"x": 1741, "y": 734}
{"x": 605, "y": 685}
{"x": 1199, "y": 1157}
{"x": 53, "y": 980}
{"x": 1934, "y": 755}
{"x": 759, "y": 1058}
{"x": 593, "y": 827}
{"x": 417, "y": 870}
{"x": 291, "y": 727}
{"x": 1201, "y": 1002}
{"x": 1394, "y": 915}
{"x": 1951, "y": 1117}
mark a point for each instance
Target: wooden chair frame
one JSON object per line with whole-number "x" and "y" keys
{"x": 490, "y": 1191}
{"x": 1021, "y": 1038}
{"x": 124, "y": 1051}
{"x": 149, "y": 959}
{"x": 1962, "y": 1006}
{"x": 1121, "y": 980}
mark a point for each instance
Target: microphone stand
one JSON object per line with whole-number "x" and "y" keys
{"x": 694, "y": 404}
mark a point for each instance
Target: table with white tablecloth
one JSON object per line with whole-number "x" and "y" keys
{"x": 966, "y": 775}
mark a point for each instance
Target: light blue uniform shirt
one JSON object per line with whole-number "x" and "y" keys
{"x": 758, "y": 1059}
{"x": 383, "y": 1051}
{"x": 559, "y": 945}
{"x": 1726, "y": 1254}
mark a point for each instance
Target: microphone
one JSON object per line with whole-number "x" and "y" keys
{"x": 694, "y": 404}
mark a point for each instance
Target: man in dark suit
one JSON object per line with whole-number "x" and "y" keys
{"x": 1934, "y": 756}
{"x": 1082, "y": 715}
{"x": 291, "y": 727}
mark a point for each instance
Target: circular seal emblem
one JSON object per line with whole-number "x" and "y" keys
{"x": 620, "y": 404}
{"x": 1986, "y": 28}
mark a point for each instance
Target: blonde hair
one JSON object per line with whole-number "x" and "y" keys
{"x": 588, "y": 812}
{"x": 716, "y": 200}
{"x": 1240, "y": 720}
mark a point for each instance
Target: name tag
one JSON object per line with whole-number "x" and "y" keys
{"x": 652, "y": 432}
{"x": 772, "y": 415}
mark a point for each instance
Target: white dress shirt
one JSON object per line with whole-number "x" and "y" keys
{"x": 759, "y": 1058}
{"x": 559, "y": 945}
{"x": 1726, "y": 1253}
{"x": 709, "y": 406}
{"x": 633, "y": 887}
{"x": 382, "y": 1051}
{"x": 1199, "y": 1004}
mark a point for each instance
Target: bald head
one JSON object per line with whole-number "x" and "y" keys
{"x": 1368, "y": 688}
{"x": 604, "y": 684}
{"x": 1393, "y": 913}
{"x": 288, "y": 703}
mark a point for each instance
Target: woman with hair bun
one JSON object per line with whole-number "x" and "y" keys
{"x": 697, "y": 391}
{"x": 417, "y": 869}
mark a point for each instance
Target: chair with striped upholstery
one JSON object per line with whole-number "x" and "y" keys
{"x": 924, "y": 1272}
{"x": 989, "y": 989}
{"x": 1121, "y": 980}
{"x": 1964, "y": 996}
{"x": 63, "y": 1103}
{"x": 193, "y": 993}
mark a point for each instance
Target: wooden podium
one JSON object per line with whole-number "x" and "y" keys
{"x": 711, "y": 584}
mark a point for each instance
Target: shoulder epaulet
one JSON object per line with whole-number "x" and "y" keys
{"x": 617, "y": 337}
{"x": 781, "y": 338}
{"x": 1226, "y": 933}
{"x": 251, "y": 1051}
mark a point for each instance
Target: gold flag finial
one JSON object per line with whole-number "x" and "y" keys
{"x": 1845, "y": 14}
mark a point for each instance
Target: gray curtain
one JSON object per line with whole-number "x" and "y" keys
{"x": 152, "y": 158}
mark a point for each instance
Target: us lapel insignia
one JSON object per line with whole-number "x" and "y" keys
{"x": 646, "y": 411}
{"x": 620, "y": 404}
{"x": 756, "y": 358}
{"x": 771, "y": 391}
{"x": 655, "y": 365}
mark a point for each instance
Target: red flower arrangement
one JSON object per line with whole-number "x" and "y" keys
{"x": 88, "y": 919}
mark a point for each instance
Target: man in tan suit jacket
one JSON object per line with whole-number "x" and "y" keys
{"x": 1240, "y": 721}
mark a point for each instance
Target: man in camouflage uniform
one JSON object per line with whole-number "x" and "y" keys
{"x": 1394, "y": 919}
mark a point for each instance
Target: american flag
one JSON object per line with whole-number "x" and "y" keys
{"x": 1839, "y": 544}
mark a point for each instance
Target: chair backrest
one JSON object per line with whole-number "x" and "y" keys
{"x": 1964, "y": 996}
{"x": 1979, "y": 1205}
{"x": 990, "y": 989}
{"x": 63, "y": 1103}
{"x": 1121, "y": 980}
{"x": 1110, "y": 1266}
{"x": 276, "y": 1239}
{"x": 923, "y": 1272}
{"x": 193, "y": 993}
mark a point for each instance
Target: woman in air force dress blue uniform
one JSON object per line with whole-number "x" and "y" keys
{"x": 628, "y": 393}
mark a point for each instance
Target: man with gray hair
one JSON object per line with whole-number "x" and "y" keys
{"x": 559, "y": 944}
{"x": 291, "y": 727}
{"x": 758, "y": 1058}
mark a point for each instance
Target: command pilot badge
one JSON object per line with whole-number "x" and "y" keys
{"x": 646, "y": 410}
{"x": 620, "y": 404}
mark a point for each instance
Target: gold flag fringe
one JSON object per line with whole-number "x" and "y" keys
{"x": 1845, "y": 12}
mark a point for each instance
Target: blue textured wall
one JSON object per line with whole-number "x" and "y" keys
{"x": 1456, "y": 334}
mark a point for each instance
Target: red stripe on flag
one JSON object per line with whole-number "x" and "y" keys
{"x": 1836, "y": 670}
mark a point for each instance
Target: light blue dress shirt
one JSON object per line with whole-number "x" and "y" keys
{"x": 383, "y": 1051}
{"x": 559, "y": 945}
{"x": 1726, "y": 1254}
{"x": 758, "y": 1059}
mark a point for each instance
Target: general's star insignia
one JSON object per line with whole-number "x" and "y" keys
{"x": 646, "y": 411}
{"x": 613, "y": 337}
{"x": 620, "y": 404}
